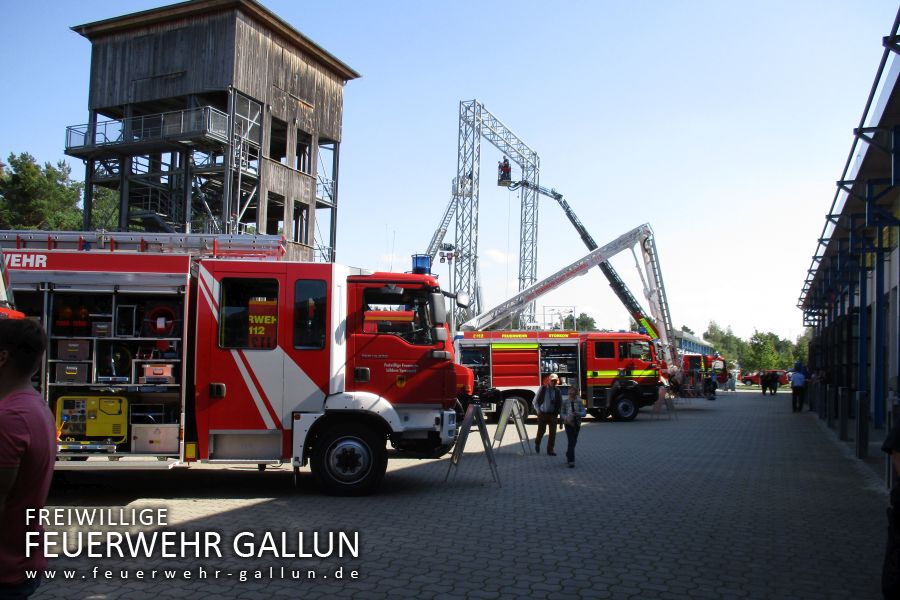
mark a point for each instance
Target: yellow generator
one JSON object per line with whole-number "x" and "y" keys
{"x": 85, "y": 418}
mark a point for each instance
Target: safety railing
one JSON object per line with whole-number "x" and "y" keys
{"x": 205, "y": 121}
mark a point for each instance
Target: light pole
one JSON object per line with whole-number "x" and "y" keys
{"x": 447, "y": 254}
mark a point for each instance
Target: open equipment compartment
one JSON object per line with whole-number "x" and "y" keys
{"x": 116, "y": 347}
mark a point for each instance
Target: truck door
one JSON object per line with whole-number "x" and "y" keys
{"x": 393, "y": 351}
{"x": 240, "y": 361}
{"x": 636, "y": 358}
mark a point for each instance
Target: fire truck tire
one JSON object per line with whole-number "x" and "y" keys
{"x": 349, "y": 460}
{"x": 624, "y": 408}
{"x": 523, "y": 406}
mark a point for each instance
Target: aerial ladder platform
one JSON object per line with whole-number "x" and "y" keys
{"x": 639, "y": 236}
{"x": 659, "y": 325}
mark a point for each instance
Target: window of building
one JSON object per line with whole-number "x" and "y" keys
{"x": 301, "y": 223}
{"x": 274, "y": 214}
{"x": 303, "y": 158}
{"x": 604, "y": 350}
{"x": 278, "y": 141}
{"x": 248, "y": 314}
{"x": 310, "y": 308}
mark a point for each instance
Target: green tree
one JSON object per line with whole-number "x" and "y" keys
{"x": 38, "y": 197}
{"x": 801, "y": 347}
{"x": 584, "y": 322}
{"x": 105, "y": 209}
{"x": 761, "y": 353}
{"x": 727, "y": 343}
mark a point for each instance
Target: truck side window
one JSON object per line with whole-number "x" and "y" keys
{"x": 248, "y": 314}
{"x": 638, "y": 350}
{"x": 604, "y": 350}
{"x": 309, "y": 314}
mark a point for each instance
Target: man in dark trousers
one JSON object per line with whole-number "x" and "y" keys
{"x": 546, "y": 405}
{"x": 27, "y": 454}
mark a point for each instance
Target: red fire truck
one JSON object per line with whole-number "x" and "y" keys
{"x": 181, "y": 348}
{"x": 617, "y": 371}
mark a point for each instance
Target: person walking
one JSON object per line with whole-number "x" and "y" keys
{"x": 546, "y": 405}
{"x": 27, "y": 454}
{"x": 571, "y": 413}
{"x": 798, "y": 387}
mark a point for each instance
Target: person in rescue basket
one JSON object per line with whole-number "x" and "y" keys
{"x": 546, "y": 405}
{"x": 27, "y": 453}
{"x": 571, "y": 413}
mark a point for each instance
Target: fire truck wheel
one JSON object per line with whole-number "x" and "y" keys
{"x": 349, "y": 460}
{"x": 624, "y": 408}
{"x": 523, "y": 406}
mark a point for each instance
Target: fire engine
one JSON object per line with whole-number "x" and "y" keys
{"x": 215, "y": 348}
{"x": 617, "y": 382}
{"x": 618, "y": 371}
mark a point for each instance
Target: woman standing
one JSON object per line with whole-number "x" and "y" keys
{"x": 571, "y": 412}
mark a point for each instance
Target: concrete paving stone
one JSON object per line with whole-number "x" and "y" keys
{"x": 566, "y": 595}
{"x": 546, "y": 587}
{"x": 483, "y": 594}
{"x": 732, "y": 590}
{"x": 625, "y": 589}
{"x": 653, "y": 586}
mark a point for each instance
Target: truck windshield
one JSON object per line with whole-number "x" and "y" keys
{"x": 403, "y": 312}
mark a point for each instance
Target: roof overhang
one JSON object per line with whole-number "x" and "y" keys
{"x": 866, "y": 172}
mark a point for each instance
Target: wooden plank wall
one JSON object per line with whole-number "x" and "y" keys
{"x": 293, "y": 186}
{"x": 179, "y": 58}
{"x": 296, "y": 89}
{"x": 293, "y": 83}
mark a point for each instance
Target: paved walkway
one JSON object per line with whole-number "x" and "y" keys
{"x": 738, "y": 498}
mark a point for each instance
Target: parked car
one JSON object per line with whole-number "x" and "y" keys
{"x": 753, "y": 378}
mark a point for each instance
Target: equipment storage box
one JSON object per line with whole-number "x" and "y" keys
{"x": 72, "y": 372}
{"x": 73, "y": 350}
{"x": 157, "y": 373}
{"x": 154, "y": 439}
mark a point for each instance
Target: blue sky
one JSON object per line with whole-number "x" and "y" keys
{"x": 723, "y": 124}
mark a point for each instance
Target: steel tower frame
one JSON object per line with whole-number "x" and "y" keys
{"x": 476, "y": 122}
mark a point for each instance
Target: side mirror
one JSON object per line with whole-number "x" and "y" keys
{"x": 462, "y": 300}
{"x": 440, "y": 334}
{"x": 440, "y": 309}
